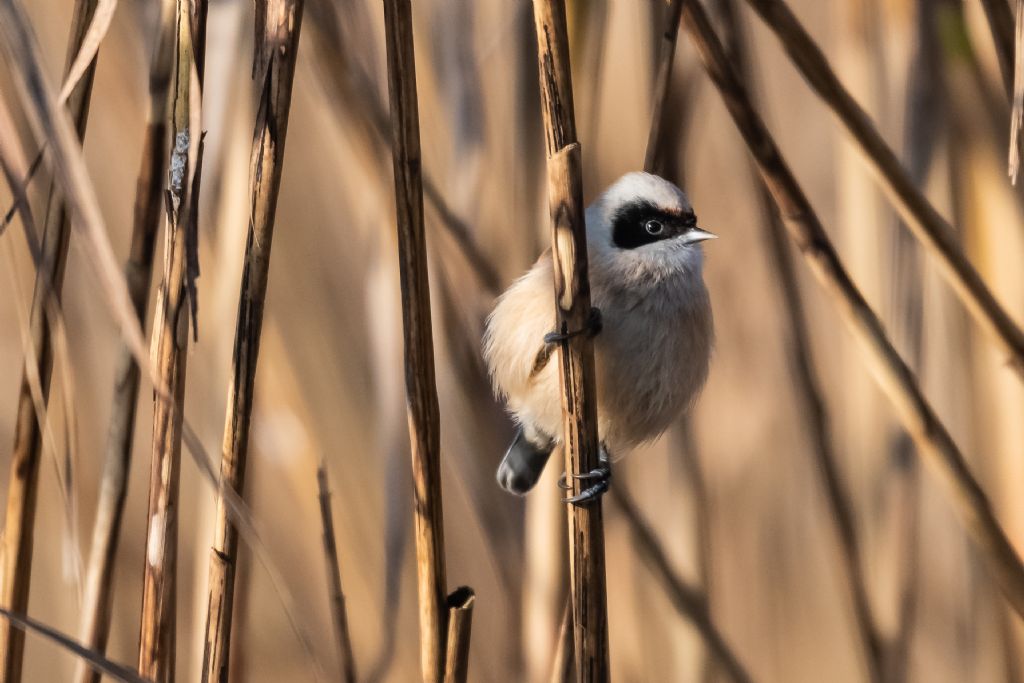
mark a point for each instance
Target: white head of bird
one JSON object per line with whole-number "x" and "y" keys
{"x": 656, "y": 333}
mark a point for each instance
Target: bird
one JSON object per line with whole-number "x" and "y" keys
{"x": 653, "y": 335}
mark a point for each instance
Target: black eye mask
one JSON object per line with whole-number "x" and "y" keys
{"x": 642, "y": 222}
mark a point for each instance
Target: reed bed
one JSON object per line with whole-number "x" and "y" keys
{"x": 784, "y": 530}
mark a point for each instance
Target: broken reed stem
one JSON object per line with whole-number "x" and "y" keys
{"x": 157, "y": 641}
{"x": 885, "y": 363}
{"x": 811, "y": 397}
{"x": 277, "y": 28}
{"x": 338, "y": 612}
{"x": 689, "y": 601}
{"x": 576, "y": 357}
{"x": 460, "y": 622}
{"x": 15, "y": 574}
{"x": 666, "y": 59}
{"x": 934, "y": 232}
{"x": 149, "y": 201}
{"x": 420, "y": 385}
{"x": 1001, "y": 24}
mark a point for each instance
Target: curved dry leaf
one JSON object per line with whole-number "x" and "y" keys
{"x": 94, "y": 36}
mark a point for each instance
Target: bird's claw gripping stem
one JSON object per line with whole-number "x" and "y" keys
{"x": 592, "y": 328}
{"x": 600, "y": 476}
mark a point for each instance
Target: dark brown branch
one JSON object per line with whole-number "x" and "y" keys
{"x": 23, "y": 484}
{"x": 576, "y": 357}
{"x": 885, "y": 363}
{"x": 278, "y": 23}
{"x": 934, "y": 232}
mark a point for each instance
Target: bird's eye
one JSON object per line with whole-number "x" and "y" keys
{"x": 654, "y": 227}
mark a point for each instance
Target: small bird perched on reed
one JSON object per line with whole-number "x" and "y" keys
{"x": 653, "y": 331}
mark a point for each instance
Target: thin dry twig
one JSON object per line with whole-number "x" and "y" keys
{"x": 338, "y": 612}
{"x": 689, "y": 601}
{"x": 277, "y": 28}
{"x": 95, "y": 660}
{"x": 934, "y": 232}
{"x": 811, "y": 396}
{"x": 889, "y": 369}
{"x": 576, "y": 356}
{"x": 24, "y": 478}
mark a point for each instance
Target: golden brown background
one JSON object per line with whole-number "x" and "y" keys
{"x": 330, "y": 373}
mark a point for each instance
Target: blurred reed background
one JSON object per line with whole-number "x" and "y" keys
{"x": 734, "y": 493}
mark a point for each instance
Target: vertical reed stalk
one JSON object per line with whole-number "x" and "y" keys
{"x": 95, "y": 621}
{"x": 885, "y": 363}
{"x": 576, "y": 357}
{"x": 15, "y": 573}
{"x": 338, "y": 613}
{"x": 420, "y": 385}
{"x": 277, "y": 32}
{"x": 157, "y": 642}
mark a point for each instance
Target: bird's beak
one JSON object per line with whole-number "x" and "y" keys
{"x": 697, "y": 235}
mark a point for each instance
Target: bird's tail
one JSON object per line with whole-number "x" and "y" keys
{"x": 523, "y": 463}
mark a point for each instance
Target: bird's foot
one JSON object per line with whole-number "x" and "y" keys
{"x": 598, "y": 480}
{"x": 592, "y": 328}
